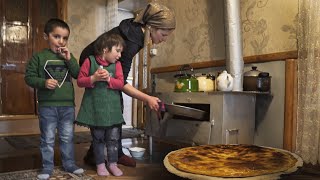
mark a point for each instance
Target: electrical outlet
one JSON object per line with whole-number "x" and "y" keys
{"x": 153, "y": 52}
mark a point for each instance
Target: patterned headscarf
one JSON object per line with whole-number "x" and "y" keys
{"x": 158, "y": 16}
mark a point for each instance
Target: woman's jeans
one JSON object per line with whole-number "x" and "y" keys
{"x": 102, "y": 138}
{"x": 60, "y": 118}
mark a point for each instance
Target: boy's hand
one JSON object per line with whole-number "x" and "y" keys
{"x": 65, "y": 53}
{"x": 51, "y": 83}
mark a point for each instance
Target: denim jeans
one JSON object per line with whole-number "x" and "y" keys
{"x": 102, "y": 138}
{"x": 50, "y": 119}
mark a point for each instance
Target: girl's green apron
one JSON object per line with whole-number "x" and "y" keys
{"x": 100, "y": 106}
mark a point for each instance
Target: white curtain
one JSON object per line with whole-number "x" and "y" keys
{"x": 308, "y": 121}
{"x": 111, "y": 19}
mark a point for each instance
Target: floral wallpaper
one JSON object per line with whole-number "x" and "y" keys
{"x": 268, "y": 26}
{"x": 84, "y": 22}
{"x": 197, "y": 36}
{"x": 85, "y": 25}
{"x": 256, "y": 27}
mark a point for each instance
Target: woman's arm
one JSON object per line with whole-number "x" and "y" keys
{"x": 135, "y": 93}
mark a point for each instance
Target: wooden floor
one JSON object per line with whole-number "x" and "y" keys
{"x": 148, "y": 168}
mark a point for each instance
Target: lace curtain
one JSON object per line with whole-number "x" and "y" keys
{"x": 308, "y": 117}
{"x": 111, "y": 20}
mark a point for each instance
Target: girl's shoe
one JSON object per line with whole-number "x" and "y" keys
{"x": 102, "y": 170}
{"x": 113, "y": 168}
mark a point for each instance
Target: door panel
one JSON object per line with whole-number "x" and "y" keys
{"x": 16, "y": 97}
{"x": 21, "y": 23}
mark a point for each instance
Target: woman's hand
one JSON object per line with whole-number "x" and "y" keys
{"x": 153, "y": 103}
{"x": 51, "y": 83}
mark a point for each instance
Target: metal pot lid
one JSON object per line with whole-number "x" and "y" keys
{"x": 253, "y": 72}
{"x": 183, "y": 76}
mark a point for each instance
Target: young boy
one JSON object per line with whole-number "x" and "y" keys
{"x": 50, "y": 72}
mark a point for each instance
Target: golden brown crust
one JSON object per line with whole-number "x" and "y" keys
{"x": 231, "y": 160}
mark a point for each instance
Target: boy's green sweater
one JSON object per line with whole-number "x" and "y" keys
{"x": 45, "y": 65}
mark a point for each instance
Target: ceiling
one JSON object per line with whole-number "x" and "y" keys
{"x": 132, "y": 5}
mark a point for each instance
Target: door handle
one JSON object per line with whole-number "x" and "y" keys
{"x": 8, "y": 66}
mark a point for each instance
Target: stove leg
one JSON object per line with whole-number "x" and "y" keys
{"x": 150, "y": 145}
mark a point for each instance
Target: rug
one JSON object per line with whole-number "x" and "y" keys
{"x": 32, "y": 141}
{"x": 58, "y": 174}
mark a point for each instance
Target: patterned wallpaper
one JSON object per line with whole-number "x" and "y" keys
{"x": 197, "y": 36}
{"x": 85, "y": 24}
{"x": 268, "y": 26}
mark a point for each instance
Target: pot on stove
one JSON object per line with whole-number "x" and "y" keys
{"x": 186, "y": 82}
{"x": 255, "y": 80}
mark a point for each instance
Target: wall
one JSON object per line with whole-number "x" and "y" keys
{"x": 268, "y": 26}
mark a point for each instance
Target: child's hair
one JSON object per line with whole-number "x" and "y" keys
{"x": 107, "y": 40}
{"x": 53, "y": 23}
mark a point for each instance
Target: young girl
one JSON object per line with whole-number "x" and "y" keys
{"x": 156, "y": 23}
{"x": 100, "y": 109}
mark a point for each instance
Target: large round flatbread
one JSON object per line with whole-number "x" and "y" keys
{"x": 231, "y": 161}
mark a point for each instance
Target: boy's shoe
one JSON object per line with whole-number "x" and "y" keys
{"x": 113, "y": 168}
{"x": 43, "y": 176}
{"x": 74, "y": 169}
{"x": 127, "y": 161}
{"x": 102, "y": 170}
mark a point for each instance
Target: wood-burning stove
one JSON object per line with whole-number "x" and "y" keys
{"x": 231, "y": 118}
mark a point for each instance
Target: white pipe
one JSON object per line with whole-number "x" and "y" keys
{"x": 234, "y": 57}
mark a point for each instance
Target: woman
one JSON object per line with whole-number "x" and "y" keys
{"x": 156, "y": 22}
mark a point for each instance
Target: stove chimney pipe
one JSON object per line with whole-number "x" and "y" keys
{"x": 234, "y": 57}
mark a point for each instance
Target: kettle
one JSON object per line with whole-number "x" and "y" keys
{"x": 224, "y": 81}
{"x": 206, "y": 82}
{"x": 186, "y": 82}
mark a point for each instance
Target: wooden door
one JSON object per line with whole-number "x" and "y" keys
{"x": 16, "y": 97}
{"x": 21, "y": 23}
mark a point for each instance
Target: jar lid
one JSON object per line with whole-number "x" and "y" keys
{"x": 210, "y": 76}
{"x": 263, "y": 74}
{"x": 253, "y": 72}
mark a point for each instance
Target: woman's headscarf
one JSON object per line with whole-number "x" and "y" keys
{"x": 158, "y": 16}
